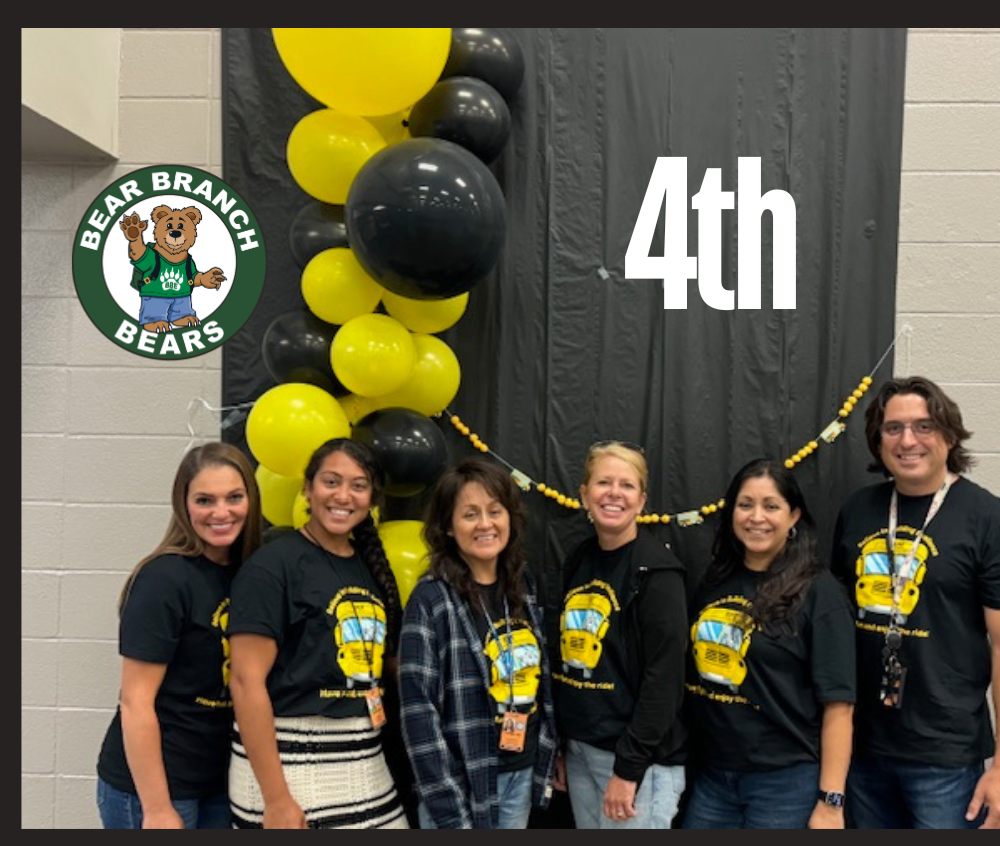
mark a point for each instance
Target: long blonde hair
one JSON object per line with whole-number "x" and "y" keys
{"x": 180, "y": 537}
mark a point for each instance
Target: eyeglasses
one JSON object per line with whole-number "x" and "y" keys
{"x": 625, "y": 444}
{"x": 920, "y": 428}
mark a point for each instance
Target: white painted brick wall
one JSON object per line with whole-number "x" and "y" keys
{"x": 99, "y": 446}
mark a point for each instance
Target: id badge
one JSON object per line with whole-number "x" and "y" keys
{"x": 512, "y": 731}
{"x": 376, "y": 710}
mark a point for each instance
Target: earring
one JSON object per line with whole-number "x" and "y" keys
{"x": 793, "y": 533}
{"x": 590, "y": 517}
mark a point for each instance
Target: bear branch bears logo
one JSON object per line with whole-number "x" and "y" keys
{"x": 169, "y": 262}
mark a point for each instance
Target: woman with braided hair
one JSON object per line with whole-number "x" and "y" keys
{"x": 313, "y": 628}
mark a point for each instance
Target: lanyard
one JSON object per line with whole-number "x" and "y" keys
{"x": 902, "y": 573}
{"x": 505, "y": 655}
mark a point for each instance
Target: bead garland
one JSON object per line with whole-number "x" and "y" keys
{"x": 684, "y": 518}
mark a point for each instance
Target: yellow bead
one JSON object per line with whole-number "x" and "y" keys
{"x": 789, "y": 463}
{"x": 561, "y": 499}
{"x": 665, "y": 518}
{"x": 654, "y": 518}
{"x": 814, "y": 445}
{"x": 483, "y": 447}
{"x": 844, "y": 412}
{"x": 713, "y": 508}
{"x": 541, "y": 487}
{"x": 721, "y": 503}
{"x": 866, "y": 381}
{"x": 857, "y": 393}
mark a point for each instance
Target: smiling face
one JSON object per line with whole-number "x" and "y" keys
{"x": 339, "y": 496}
{"x": 762, "y": 519}
{"x": 481, "y": 527}
{"x": 614, "y": 497}
{"x": 917, "y": 463}
{"x": 217, "y": 505}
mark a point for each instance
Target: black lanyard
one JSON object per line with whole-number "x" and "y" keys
{"x": 504, "y": 655}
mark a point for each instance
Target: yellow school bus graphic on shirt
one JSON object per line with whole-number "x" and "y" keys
{"x": 873, "y": 589}
{"x": 583, "y": 624}
{"x": 360, "y": 637}
{"x": 720, "y": 639}
{"x": 515, "y": 668}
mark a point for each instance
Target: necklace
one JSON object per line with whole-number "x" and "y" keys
{"x": 308, "y": 534}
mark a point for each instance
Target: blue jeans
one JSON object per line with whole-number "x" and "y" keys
{"x": 170, "y": 309}
{"x": 883, "y": 794}
{"x": 513, "y": 794}
{"x": 119, "y": 809}
{"x": 588, "y": 771}
{"x": 782, "y": 798}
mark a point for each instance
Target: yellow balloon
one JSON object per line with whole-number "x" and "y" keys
{"x": 393, "y": 128}
{"x": 325, "y": 151}
{"x": 364, "y": 70}
{"x": 406, "y": 551}
{"x": 372, "y": 354}
{"x": 356, "y": 406}
{"x": 300, "y": 510}
{"x": 289, "y": 421}
{"x": 426, "y": 316}
{"x": 336, "y": 287}
{"x": 433, "y": 382}
{"x": 277, "y": 494}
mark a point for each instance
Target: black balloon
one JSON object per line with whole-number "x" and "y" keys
{"x": 426, "y": 218}
{"x": 316, "y": 227}
{"x": 296, "y": 348}
{"x": 465, "y": 110}
{"x": 493, "y": 55}
{"x": 409, "y": 446}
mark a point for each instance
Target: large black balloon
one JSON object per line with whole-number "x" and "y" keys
{"x": 465, "y": 110}
{"x": 493, "y": 55}
{"x": 426, "y": 218}
{"x": 316, "y": 227}
{"x": 296, "y": 348}
{"x": 409, "y": 446}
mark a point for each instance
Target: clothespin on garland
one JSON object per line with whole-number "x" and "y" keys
{"x": 697, "y": 515}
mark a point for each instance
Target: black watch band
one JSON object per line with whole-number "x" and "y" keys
{"x": 834, "y": 800}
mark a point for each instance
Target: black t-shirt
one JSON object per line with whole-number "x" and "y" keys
{"x": 944, "y": 720}
{"x": 594, "y": 698}
{"x": 177, "y": 614}
{"x": 515, "y": 672}
{"x": 757, "y": 699}
{"x": 326, "y": 615}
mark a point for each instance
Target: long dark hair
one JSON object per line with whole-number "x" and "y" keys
{"x": 782, "y": 588}
{"x": 180, "y": 537}
{"x": 365, "y": 536}
{"x": 445, "y": 559}
{"x": 943, "y": 410}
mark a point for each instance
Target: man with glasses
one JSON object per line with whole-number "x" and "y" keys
{"x": 920, "y": 555}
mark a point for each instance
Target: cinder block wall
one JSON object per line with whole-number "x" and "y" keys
{"x": 948, "y": 296}
{"x": 102, "y": 432}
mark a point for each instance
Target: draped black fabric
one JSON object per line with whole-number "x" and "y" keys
{"x": 557, "y": 348}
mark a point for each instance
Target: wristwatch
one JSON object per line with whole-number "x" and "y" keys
{"x": 834, "y": 800}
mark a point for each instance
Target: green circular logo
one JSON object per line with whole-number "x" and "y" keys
{"x": 169, "y": 262}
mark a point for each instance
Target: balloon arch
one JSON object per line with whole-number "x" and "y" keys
{"x": 405, "y": 217}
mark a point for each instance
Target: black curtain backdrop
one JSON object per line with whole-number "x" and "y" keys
{"x": 557, "y": 349}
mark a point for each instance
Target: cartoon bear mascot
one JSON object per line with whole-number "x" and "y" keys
{"x": 164, "y": 273}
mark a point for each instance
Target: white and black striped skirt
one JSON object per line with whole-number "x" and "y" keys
{"x": 335, "y": 769}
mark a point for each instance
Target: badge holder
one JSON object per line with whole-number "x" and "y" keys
{"x": 376, "y": 710}
{"x": 893, "y": 672}
{"x": 513, "y": 731}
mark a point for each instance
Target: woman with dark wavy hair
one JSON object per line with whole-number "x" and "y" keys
{"x": 313, "y": 627}
{"x": 475, "y": 694}
{"x": 772, "y": 681}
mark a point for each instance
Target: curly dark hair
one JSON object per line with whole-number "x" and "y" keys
{"x": 943, "y": 410}
{"x": 446, "y": 561}
{"x": 365, "y": 536}
{"x": 783, "y": 587}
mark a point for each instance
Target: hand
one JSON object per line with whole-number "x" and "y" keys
{"x": 209, "y": 279}
{"x": 284, "y": 814}
{"x": 133, "y": 226}
{"x": 987, "y": 793}
{"x": 619, "y": 799}
{"x": 559, "y": 778}
{"x": 162, "y": 819}
{"x": 826, "y": 816}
